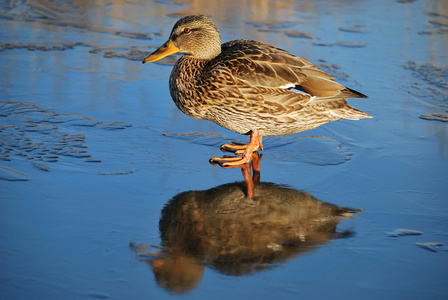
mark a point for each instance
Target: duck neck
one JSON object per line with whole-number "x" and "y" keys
{"x": 211, "y": 51}
{"x": 186, "y": 77}
{"x": 189, "y": 69}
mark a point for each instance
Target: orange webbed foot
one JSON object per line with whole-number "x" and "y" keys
{"x": 239, "y": 149}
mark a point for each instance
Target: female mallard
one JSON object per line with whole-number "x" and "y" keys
{"x": 249, "y": 87}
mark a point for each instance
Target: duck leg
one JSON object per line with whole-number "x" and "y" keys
{"x": 246, "y": 170}
{"x": 255, "y": 178}
{"x": 239, "y": 149}
{"x": 256, "y": 158}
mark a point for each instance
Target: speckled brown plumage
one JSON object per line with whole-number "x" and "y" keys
{"x": 250, "y": 87}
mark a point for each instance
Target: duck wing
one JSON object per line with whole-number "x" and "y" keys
{"x": 265, "y": 66}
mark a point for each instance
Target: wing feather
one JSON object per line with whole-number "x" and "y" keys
{"x": 267, "y": 72}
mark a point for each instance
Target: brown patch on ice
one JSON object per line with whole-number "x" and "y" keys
{"x": 439, "y": 24}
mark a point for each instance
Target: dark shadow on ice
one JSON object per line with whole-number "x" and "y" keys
{"x": 226, "y": 230}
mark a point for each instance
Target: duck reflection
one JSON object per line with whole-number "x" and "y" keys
{"x": 236, "y": 234}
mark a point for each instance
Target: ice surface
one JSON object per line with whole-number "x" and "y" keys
{"x": 92, "y": 149}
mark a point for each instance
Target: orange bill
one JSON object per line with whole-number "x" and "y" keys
{"x": 166, "y": 49}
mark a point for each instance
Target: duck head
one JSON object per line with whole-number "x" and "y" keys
{"x": 194, "y": 35}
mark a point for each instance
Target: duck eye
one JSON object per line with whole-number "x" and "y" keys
{"x": 187, "y": 30}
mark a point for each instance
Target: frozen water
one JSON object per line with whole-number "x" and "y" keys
{"x": 93, "y": 153}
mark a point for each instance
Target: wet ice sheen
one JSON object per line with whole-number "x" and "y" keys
{"x": 65, "y": 233}
{"x": 109, "y": 52}
{"x": 432, "y": 85}
{"x": 37, "y": 135}
{"x": 317, "y": 150}
{"x": 12, "y": 175}
{"x": 431, "y": 246}
{"x": 403, "y": 232}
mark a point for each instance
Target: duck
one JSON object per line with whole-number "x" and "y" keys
{"x": 249, "y": 87}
